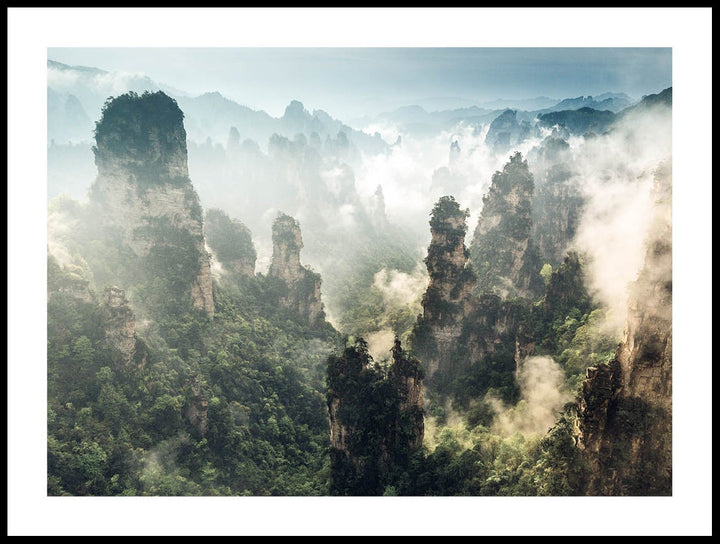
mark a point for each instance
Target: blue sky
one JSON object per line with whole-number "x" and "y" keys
{"x": 354, "y": 81}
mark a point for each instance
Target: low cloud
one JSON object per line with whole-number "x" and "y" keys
{"x": 380, "y": 343}
{"x": 542, "y": 399}
{"x": 400, "y": 289}
{"x": 616, "y": 175}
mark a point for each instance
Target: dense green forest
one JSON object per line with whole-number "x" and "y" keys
{"x": 115, "y": 430}
{"x": 359, "y": 272}
{"x": 125, "y": 430}
{"x": 261, "y": 374}
{"x": 175, "y": 368}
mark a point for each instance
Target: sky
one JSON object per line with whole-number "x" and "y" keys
{"x": 352, "y": 82}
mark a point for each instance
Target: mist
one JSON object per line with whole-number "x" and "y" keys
{"x": 363, "y": 196}
{"x": 401, "y": 301}
{"x": 542, "y": 399}
{"x": 400, "y": 289}
{"x": 419, "y": 170}
{"x": 615, "y": 173}
{"x": 64, "y": 216}
{"x": 93, "y": 86}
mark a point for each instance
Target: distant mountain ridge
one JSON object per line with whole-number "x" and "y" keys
{"x": 209, "y": 115}
{"x": 607, "y": 101}
{"x": 525, "y": 104}
{"x": 586, "y": 119}
{"x": 66, "y": 67}
{"x": 417, "y": 120}
{"x": 212, "y": 114}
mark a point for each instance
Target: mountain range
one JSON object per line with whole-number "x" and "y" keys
{"x": 76, "y": 95}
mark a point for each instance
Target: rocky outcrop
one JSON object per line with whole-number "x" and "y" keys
{"x": 118, "y": 321}
{"x": 231, "y": 243}
{"x": 406, "y": 376}
{"x": 558, "y": 201}
{"x": 502, "y": 251}
{"x": 455, "y": 152}
{"x": 505, "y": 131}
{"x": 143, "y": 192}
{"x": 378, "y": 216}
{"x": 447, "y": 300}
{"x": 302, "y": 293}
{"x": 477, "y": 311}
{"x": 624, "y": 423}
{"x": 458, "y": 329}
{"x": 579, "y": 122}
{"x": 557, "y": 208}
{"x": 376, "y": 419}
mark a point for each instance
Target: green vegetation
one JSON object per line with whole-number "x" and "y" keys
{"x": 157, "y": 397}
{"x": 286, "y": 231}
{"x": 579, "y": 121}
{"x": 569, "y": 326}
{"x": 238, "y": 405}
{"x": 170, "y": 266}
{"x": 369, "y": 404}
{"x": 144, "y": 132}
{"x": 472, "y": 460}
{"x": 447, "y": 218}
{"x": 546, "y": 271}
{"x": 469, "y": 450}
{"x": 502, "y": 238}
{"x": 254, "y": 377}
{"x": 359, "y": 307}
{"x": 229, "y": 239}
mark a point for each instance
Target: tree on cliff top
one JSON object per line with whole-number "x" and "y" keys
{"x": 229, "y": 238}
{"x": 131, "y": 109}
{"x": 145, "y": 133}
{"x": 378, "y": 424}
{"x": 447, "y": 212}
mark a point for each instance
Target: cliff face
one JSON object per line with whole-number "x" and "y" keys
{"x": 376, "y": 419}
{"x": 505, "y": 131}
{"x": 303, "y": 285}
{"x": 119, "y": 325}
{"x": 624, "y": 422}
{"x": 580, "y": 121}
{"x": 447, "y": 300}
{"x": 478, "y": 318}
{"x": 557, "y": 210}
{"x": 558, "y": 202}
{"x": 231, "y": 243}
{"x": 458, "y": 329}
{"x": 378, "y": 216}
{"x": 143, "y": 193}
{"x": 407, "y": 377}
{"x": 502, "y": 251}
